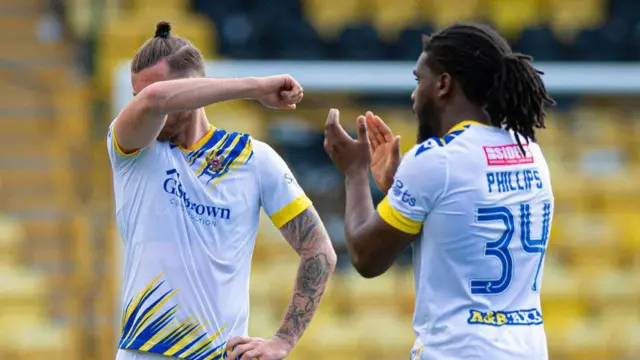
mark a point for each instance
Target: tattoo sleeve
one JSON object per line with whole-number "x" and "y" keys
{"x": 308, "y": 237}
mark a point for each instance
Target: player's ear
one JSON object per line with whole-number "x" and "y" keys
{"x": 444, "y": 85}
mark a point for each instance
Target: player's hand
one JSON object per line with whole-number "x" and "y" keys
{"x": 249, "y": 348}
{"x": 279, "y": 92}
{"x": 385, "y": 151}
{"x": 349, "y": 156}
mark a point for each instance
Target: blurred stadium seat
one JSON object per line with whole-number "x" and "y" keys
{"x": 511, "y": 17}
{"x": 390, "y": 18}
{"x": 330, "y": 17}
{"x": 570, "y": 16}
{"x": 445, "y": 13}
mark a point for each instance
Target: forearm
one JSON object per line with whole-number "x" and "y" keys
{"x": 359, "y": 208}
{"x": 193, "y": 93}
{"x": 311, "y": 281}
{"x": 308, "y": 237}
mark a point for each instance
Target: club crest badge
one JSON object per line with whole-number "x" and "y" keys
{"x": 214, "y": 162}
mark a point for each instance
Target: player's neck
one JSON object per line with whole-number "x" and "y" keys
{"x": 196, "y": 130}
{"x": 463, "y": 114}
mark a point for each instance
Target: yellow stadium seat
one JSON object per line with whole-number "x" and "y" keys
{"x": 569, "y": 16}
{"x": 392, "y": 17}
{"x": 511, "y": 17}
{"x": 561, "y": 315}
{"x": 589, "y": 340}
{"x": 240, "y": 116}
{"x": 329, "y": 17}
{"x": 376, "y": 293}
{"x": 22, "y": 294}
{"x": 387, "y": 335}
{"x": 11, "y": 236}
{"x": 626, "y": 223}
{"x": 176, "y": 6}
{"x": 445, "y": 13}
{"x": 329, "y": 337}
{"x": 43, "y": 341}
{"x": 121, "y": 37}
{"x": 402, "y": 124}
{"x": 263, "y": 322}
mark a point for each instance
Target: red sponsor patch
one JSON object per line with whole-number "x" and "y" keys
{"x": 507, "y": 155}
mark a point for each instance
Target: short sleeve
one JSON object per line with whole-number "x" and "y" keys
{"x": 119, "y": 159}
{"x": 280, "y": 195}
{"x": 419, "y": 183}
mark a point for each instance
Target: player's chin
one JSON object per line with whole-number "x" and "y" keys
{"x": 165, "y": 136}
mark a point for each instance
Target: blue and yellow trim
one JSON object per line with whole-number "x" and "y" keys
{"x": 200, "y": 142}
{"x": 149, "y": 326}
{"x": 394, "y": 218}
{"x": 452, "y": 134}
{"x": 119, "y": 150}
{"x": 290, "y": 211}
{"x": 239, "y": 152}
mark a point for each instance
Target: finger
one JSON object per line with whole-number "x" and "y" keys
{"x": 374, "y": 132}
{"x": 362, "y": 131}
{"x": 237, "y": 340}
{"x": 295, "y": 85}
{"x": 395, "y": 148}
{"x": 335, "y": 132}
{"x": 372, "y": 139}
{"x": 251, "y": 354}
{"x": 327, "y": 145}
{"x": 383, "y": 129}
{"x": 241, "y": 350}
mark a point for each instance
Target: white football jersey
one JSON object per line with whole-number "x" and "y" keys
{"x": 189, "y": 219}
{"x": 483, "y": 210}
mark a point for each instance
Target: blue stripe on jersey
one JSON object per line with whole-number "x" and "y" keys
{"x": 196, "y": 154}
{"x": 436, "y": 142}
{"x": 147, "y": 327}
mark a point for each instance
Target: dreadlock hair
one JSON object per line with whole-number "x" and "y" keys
{"x": 492, "y": 76}
{"x": 183, "y": 58}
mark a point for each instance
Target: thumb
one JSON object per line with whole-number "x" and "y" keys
{"x": 395, "y": 147}
{"x": 362, "y": 130}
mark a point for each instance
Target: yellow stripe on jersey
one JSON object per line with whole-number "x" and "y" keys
{"x": 291, "y": 210}
{"x": 239, "y": 160}
{"x": 119, "y": 149}
{"x": 147, "y": 325}
{"x": 394, "y": 218}
{"x": 214, "y": 148}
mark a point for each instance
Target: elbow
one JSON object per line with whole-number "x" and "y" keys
{"x": 367, "y": 270}
{"x": 332, "y": 259}
{"x": 365, "y": 264}
{"x": 154, "y": 98}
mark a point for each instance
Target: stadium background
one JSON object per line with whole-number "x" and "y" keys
{"x": 59, "y": 251}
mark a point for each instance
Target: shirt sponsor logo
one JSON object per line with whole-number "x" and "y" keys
{"x": 201, "y": 213}
{"x": 507, "y": 155}
{"x": 505, "y": 318}
{"x": 399, "y": 191}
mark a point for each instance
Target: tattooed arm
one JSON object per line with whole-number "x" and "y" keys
{"x": 310, "y": 240}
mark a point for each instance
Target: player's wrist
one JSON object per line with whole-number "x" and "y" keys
{"x": 254, "y": 88}
{"x": 357, "y": 173}
{"x": 287, "y": 342}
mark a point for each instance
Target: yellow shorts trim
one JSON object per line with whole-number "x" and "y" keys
{"x": 119, "y": 149}
{"x": 394, "y": 218}
{"x": 291, "y": 210}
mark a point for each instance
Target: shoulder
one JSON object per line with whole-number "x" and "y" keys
{"x": 264, "y": 153}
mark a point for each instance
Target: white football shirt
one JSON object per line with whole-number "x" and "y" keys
{"x": 484, "y": 212}
{"x": 189, "y": 219}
